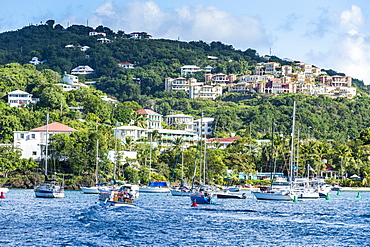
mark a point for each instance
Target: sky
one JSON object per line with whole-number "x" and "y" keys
{"x": 330, "y": 34}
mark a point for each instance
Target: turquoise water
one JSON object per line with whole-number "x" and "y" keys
{"x": 164, "y": 220}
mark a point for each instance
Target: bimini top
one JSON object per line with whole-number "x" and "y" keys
{"x": 158, "y": 184}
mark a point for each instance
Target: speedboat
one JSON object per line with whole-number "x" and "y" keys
{"x": 4, "y": 190}
{"x": 227, "y": 195}
{"x": 49, "y": 189}
{"x": 116, "y": 198}
{"x": 277, "y": 195}
{"x": 131, "y": 189}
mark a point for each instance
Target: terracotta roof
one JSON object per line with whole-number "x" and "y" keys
{"x": 55, "y": 127}
{"x": 147, "y": 112}
{"x": 226, "y": 139}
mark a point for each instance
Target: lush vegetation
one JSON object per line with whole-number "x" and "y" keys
{"x": 336, "y": 130}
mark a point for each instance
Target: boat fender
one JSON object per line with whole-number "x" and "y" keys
{"x": 105, "y": 202}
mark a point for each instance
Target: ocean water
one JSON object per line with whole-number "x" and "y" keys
{"x": 165, "y": 220}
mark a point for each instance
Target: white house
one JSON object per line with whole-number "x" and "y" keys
{"x": 204, "y": 91}
{"x": 153, "y": 119}
{"x": 133, "y": 132}
{"x": 180, "y": 121}
{"x": 70, "y": 79}
{"x": 36, "y": 61}
{"x": 204, "y": 126}
{"x": 107, "y": 99}
{"x": 126, "y": 65}
{"x": 84, "y": 48}
{"x": 82, "y": 70}
{"x": 94, "y": 33}
{"x": 104, "y": 40}
{"x": 32, "y": 143}
{"x": 18, "y": 98}
{"x": 189, "y": 69}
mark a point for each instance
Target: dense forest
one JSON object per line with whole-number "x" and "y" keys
{"x": 334, "y": 129}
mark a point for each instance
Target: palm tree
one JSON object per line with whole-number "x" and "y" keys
{"x": 139, "y": 120}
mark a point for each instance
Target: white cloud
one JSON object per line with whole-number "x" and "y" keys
{"x": 350, "y": 49}
{"x": 199, "y": 22}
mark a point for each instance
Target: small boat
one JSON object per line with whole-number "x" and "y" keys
{"x": 131, "y": 189}
{"x": 155, "y": 187}
{"x": 94, "y": 189}
{"x": 4, "y": 190}
{"x": 181, "y": 191}
{"x": 232, "y": 189}
{"x": 201, "y": 197}
{"x": 227, "y": 195}
{"x": 49, "y": 189}
{"x": 284, "y": 195}
{"x": 116, "y": 198}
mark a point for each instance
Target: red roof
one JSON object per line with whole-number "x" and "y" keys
{"x": 55, "y": 127}
{"x": 225, "y": 139}
{"x": 147, "y": 112}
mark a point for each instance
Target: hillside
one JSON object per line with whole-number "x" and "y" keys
{"x": 320, "y": 119}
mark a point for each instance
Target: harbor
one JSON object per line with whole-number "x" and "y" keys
{"x": 160, "y": 219}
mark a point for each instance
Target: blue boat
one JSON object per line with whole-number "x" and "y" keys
{"x": 201, "y": 198}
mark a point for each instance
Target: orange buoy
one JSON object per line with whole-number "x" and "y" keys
{"x": 194, "y": 203}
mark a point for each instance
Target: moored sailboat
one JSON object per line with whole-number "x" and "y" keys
{"x": 49, "y": 188}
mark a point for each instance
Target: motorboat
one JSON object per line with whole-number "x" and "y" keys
{"x": 155, "y": 187}
{"x": 203, "y": 197}
{"x": 4, "y": 190}
{"x": 49, "y": 189}
{"x": 228, "y": 195}
{"x": 131, "y": 189}
{"x": 116, "y": 198}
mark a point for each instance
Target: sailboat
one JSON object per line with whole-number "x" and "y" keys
{"x": 154, "y": 187}
{"x": 49, "y": 188}
{"x": 281, "y": 190}
{"x": 205, "y": 194}
{"x": 182, "y": 190}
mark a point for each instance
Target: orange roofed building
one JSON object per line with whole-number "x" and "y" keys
{"x": 32, "y": 143}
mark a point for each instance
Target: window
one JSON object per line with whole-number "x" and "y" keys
{"x": 33, "y": 136}
{"x": 22, "y": 136}
{"x": 34, "y": 153}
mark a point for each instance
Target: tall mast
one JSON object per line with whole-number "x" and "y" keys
{"x": 115, "y": 153}
{"x": 46, "y": 148}
{"x": 292, "y": 146}
{"x": 182, "y": 160}
{"x": 150, "y": 155}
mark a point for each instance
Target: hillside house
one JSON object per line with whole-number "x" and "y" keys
{"x": 153, "y": 119}
{"x": 82, "y": 70}
{"x": 126, "y": 65}
{"x": 19, "y": 98}
{"x": 94, "y": 33}
{"x": 180, "y": 121}
{"x": 32, "y": 143}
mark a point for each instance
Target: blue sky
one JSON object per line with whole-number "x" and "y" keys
{"x": 331, "y": 34}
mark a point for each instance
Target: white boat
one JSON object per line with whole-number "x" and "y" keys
{"x": 181, "y": 191}
{"x": 156, "y": 187}
{"x": 49, "y": 189}
{"x": 4, "y": 190}
{"x": 131, "y": 189}
{"x": 116, "y": 198}
{"x": 284, "y": 195}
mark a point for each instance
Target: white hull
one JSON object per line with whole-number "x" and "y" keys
{"x": 116, "y": 204}
{"x": 90, "y": 190}
{"x": 149, "y": 189}
{"x": 180, "y": 193}
{"x": 48, "y": 194}
{"x": 49, "y": 189}
{"x": 276, "y": 196}
{"x": 5, "y": 190}
{"x": 355, "y": 189}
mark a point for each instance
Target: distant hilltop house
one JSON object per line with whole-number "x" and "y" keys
{"x": 193, "y": 88}
{"x": 126, "y": 65}
{"x": 32, "y": 143}
{"x": 192, "y": 69}
{"x": 104, "y": 40}
{"x": 72, "y": 83}
{"x": 220, "y": 79}
{"x": 82, "y": 48}
{"x": 138, "y": 35}
{"x": 36, "y": 61}
{"x": 94, "y": 33}
{"x": 19, "y": 98}
{"x": 82, "y": 70}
